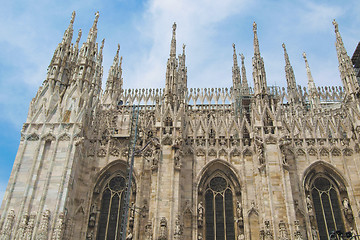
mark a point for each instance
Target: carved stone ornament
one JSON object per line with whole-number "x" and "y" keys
{"x": 7, "y": 227}
{"x": 200, "y": 152}
{"x": 21, "y": 230}
{"x": 64, "y": 137}
{"x": 283, "y": 231}
{"x": 297, "y": 233}
{"x": 300, "y": 152}
{"x": 336, "y": 152}
{"x": 42, "y": 233}
{"x": 178, "y": 228}
{"x": 59, "y": 227}
{"x": 163, "y": 229}
{"x": 148, "y": 231}
{"x": 101, "y": 153}
{"x": 33, "y": 137}
{"x": 30, "y": 227}
{"x": 268, "y": 232}
{"x": 200, "y": 213}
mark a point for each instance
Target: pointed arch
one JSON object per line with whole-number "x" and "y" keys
{"x": 219, "y": 200}
{"x": 325, "y": 191}
{"x": 108, "y": 199}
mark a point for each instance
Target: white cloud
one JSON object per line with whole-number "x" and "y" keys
{"x": 196, "y": 21}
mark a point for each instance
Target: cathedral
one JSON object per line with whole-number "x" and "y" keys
{"x": 180, "y": 163}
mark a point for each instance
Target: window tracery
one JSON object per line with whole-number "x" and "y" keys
{"x": 325, "y": 198}
{"x": 219, "y": 218}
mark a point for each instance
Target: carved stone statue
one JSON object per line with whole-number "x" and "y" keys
{"x": 6, "y": 231}
{"x": 148, "y": 231}
{"x": 178, "y": 228}
{"x": 44, "y": 226}
{"x": 92, "y": 217}
{"x": 200, "y": 211}
{"x": 30, "y": 227}
{"x": 282, "y": 231}
{"x": 314, "y": 233}
{"x": 59, "y": 227}
{"x": 163, "y": 229}
{"x": 200, "y": 237}
{"x": 309, "y": 205}
{"x": 239, "y": 210}
{"x": 21, "y": 230}
{"x": 346, "y": 204}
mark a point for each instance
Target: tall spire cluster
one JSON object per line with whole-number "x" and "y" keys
{"x": 176, "y": 74}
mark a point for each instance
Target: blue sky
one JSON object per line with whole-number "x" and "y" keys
{"x": 31, "y": 30}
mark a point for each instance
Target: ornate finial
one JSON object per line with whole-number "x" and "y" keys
{"x": 283, "y": 45}
{"x": 118, "y": 49}
{"x": 174, "y": 27}
{"x": 304, "y": 56}
{"x": 79, "y": 36}
{"x": 72, "y": 17}
{"x": 336, "y": 25}
{"x": 254, "y": 27}
{"x": 102, "y": 44}
{"x": 242, "y": 57}
{"x": 184, "y": 49}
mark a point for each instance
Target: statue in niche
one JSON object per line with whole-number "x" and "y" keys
{"x": 155, "y": 158}
{"x": 314, "y": 233}
{"x": 92, "y": 217}
{"x": 346, "y": 204}
{"x": 309, "y": 206}
{"x": 178, "y": 228}
{"x": 200, "y": 237}
{"x": 177, "y": 157}
{"x": 239, "y": 209}
{"x": 200, "y": 214}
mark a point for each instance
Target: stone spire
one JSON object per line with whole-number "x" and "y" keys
{"x": 93, "y": 31}
{"x": 313, "y": 94}
{"x": 259, "y": 76}
{"x": 347, "y": 73}
{"x": 172, "y": 71}
{"x": 87, "y": 69}
{"x": 173, "y": 42}
{"x": 236, "y": 72}
{"x": 245, "y": 86}
{"x": 61, "y": 60}
{"x": 69, "y": 31}
{"x": 290, "y": 79}
{"x": 114, "y": 80}
{"x": 182, "y": 79}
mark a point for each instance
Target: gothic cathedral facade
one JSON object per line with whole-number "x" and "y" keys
{"x": 177, "y": 163}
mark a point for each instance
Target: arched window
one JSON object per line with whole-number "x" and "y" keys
{"x": 112, "y": 203}
{"x": 327, "y": 206}
{"x": 219, "y": 209}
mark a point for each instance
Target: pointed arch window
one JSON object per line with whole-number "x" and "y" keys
{"x": 219, "y": 209}
{"x": 327, "y": 206}
{"x": 112, "y": 202}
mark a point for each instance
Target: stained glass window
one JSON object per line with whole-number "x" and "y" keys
{"x": 327, "y": 207}
{"x": 219, "y": 210}
{"x": 111, "y": 209}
